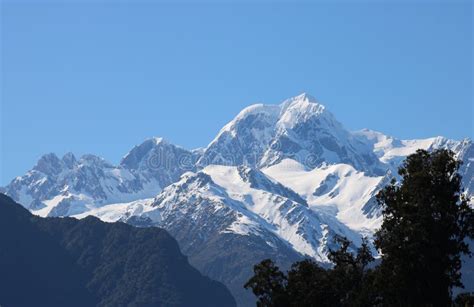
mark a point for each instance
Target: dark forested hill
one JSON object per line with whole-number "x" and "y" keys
{"x": 34, "y": 269}
{"x": 67, "y": 262}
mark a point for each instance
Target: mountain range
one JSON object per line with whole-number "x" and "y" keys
{"x": 278, "y": 181}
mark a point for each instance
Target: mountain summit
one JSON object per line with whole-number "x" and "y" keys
{"x": 300, "y": 128}
{"x": 278, "y": 181}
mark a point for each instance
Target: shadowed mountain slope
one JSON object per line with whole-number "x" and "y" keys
{"x": 67, "y": 262}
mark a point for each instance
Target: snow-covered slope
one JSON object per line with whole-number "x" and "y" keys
{"x": 392, "y": 151}
{"x": 300, "y": 128}
{"x": 295, "y": 155}
{"x": 157, "y": 159}
{"x": 338, "y": 189}
{"x": 268, "y": 204}
{"x": 307, "y": 132}
{"x": 238, "y": 200}
{"x": 278, "y": 181}
{"x": 69, "y": 186}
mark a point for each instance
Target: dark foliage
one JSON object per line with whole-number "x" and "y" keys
{"x": 426, "y": 224}
{"x": 269, "y": 285}
{"x": 422, "y": 238}
{"x": 464, "y": 300}
{"x": 108, "y": 264}
{"x": 308, "y": 284}
{"x": 350, "y": 276}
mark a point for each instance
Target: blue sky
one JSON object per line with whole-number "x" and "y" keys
{"x": 100, "y": 78}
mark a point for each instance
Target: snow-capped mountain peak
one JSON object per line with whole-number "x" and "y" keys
{"x": 299, "y": 109}
{"x": 157, "y": 159}
{"x": 137, "y": 157}
{"x": 299, "y": 128}
{"x": 69, "y": 159}
{"x": 301, "y": 98}
{"x": 278, "y": 181}
{"x": 94, "y": 161}
{"x": 48, "y": 164}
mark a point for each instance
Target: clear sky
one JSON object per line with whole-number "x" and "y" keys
{"x": 100, "y": 78}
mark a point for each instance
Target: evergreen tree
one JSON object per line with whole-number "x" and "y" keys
{"x": 308, "y": 284}
{"x": 350, "y": 277}
{"x": 426, "y": 221}
{"x": 269, "y": 285}
{"x": 464, "y": 300}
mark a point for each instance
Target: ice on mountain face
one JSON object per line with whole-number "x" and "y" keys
{"x": 289, "y": 172}
{"x": 49, "y": 164}
{"x": 371, "y": 209}
{"x": 237, "y": 200}
{"x": 258, "y": 180}
{"x": 310, "y": 134}
{"x": 222, "y": 238}
{"x": 194, "y": 207}
{"x": 300, "y": 128}
{"x": 466, "y": 154}
{"x": 120, "y": 211}
{"x": 278, "y": 181}
{"x": 90, "y": 181}
{"x": 283, "y": 212}
{"x": 243, "y": 140}
{"x": 159, "y": 160}
{"x": 392, "y": 152}
{"x": 338, "y": 190}
{"x": 299, "y": 109}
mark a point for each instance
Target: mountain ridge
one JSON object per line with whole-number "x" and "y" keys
{"x": 287, "y": 176}
{"x": 69, "y": 262}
